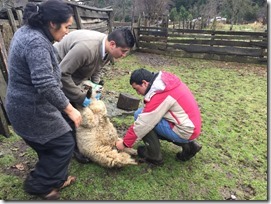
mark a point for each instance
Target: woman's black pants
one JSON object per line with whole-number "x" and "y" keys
{"x": 51, "y": 170}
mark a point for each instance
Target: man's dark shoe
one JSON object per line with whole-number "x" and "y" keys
{"x": 182, "y": 156}
{"x": 155, "y": 162}
{"x": 141, "y": 154}
{"x": 80, "y": 157}
{"x": 194, "y": 147}
{"x": 189, "y": 150}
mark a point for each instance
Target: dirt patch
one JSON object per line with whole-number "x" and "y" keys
{"x": 157, "y": 60}
{"x": 24, "y": 164}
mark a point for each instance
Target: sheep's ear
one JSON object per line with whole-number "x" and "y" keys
{"x": 89, "y": 92}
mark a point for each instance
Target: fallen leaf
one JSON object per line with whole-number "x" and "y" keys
{"x": 20, "y": 166}
{"x": 22, "y": 154}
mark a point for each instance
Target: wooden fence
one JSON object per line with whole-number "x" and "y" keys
{"x": 99, "y": 19}
{"x": 247, "y": 47}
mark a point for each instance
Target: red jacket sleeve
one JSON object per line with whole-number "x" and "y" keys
{"x": 130, "y": 137}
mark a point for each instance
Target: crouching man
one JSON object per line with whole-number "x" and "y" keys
{"x": 170, "y": 113}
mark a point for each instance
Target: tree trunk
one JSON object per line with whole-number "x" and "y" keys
{"x": 127, "y": 102}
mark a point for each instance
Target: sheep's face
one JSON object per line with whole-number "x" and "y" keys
{"x": 93, "y": 90}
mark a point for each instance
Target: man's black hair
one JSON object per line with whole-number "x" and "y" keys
{"x": 123, "y": 37}
{"x": 139, "y": 75}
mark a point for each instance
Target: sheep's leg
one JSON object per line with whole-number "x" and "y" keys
{"x": 112, "y": 158}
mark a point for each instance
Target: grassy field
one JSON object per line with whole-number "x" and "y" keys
{"x": 233, "y": 161}
{"x": 251, "y": 27}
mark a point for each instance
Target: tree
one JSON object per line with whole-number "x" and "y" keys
{"x": 183, "y": 14}
{"x": 154, "y": 8}
{"x": 262, "y": 13}
{"x": 235, "y": 9}
{"x": 122, "y": 10}
{"x": 12, "y": 3}
{"x": 173, "y": 15}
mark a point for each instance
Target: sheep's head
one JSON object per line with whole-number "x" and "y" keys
{"x": 92, "y": 90}
{"x": 96, "y": 110}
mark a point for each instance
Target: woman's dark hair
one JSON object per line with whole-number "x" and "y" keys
{"x": 123, "y": 37}
{"x": 141, "y": 74}
{"x": 39, "y": 15}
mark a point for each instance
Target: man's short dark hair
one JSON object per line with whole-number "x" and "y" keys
{"x": 123, "y": 37}
{"x": 141, "y": 74}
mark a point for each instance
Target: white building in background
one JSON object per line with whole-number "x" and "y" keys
{"x": 218, "y": 19}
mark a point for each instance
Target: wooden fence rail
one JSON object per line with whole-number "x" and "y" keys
{"x": 247, "y": 47}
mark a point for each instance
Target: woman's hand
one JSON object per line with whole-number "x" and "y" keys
{"x": 74, "y": 115}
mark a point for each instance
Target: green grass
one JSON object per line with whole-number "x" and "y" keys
{"x": 252, "y": 27}
{"x": 233, "y": 161}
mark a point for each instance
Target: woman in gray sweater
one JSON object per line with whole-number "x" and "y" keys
{"x": 34, "y": 100}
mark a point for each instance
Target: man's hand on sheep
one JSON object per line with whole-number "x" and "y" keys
{"x": 86, "y": 102}
{"x": 119, "y": 144}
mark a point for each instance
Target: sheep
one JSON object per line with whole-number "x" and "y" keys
{"x": 96, "y": 137}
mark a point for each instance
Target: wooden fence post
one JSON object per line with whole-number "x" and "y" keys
{"x": 77, "y": 18}
{"x": 4, "y": 130}
{"x": 19, "y": 16}
{"x": 12, "y": 21}
{"x": 3, "y": 58}
{"x": 110, "y": 21}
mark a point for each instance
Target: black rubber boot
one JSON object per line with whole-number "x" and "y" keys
{"x": 189, "y": 150}
{"x": 151, "y": 151}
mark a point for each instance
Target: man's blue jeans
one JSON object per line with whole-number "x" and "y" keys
{"x": 163, "y": 130}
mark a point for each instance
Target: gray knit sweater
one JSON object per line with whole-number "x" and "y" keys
{"x": 34, "y": 99}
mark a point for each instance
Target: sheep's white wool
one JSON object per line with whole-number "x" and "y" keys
{"x": 96, "y": 137}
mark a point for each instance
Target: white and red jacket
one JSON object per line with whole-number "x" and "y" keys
{"x": 168, "y": 98}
